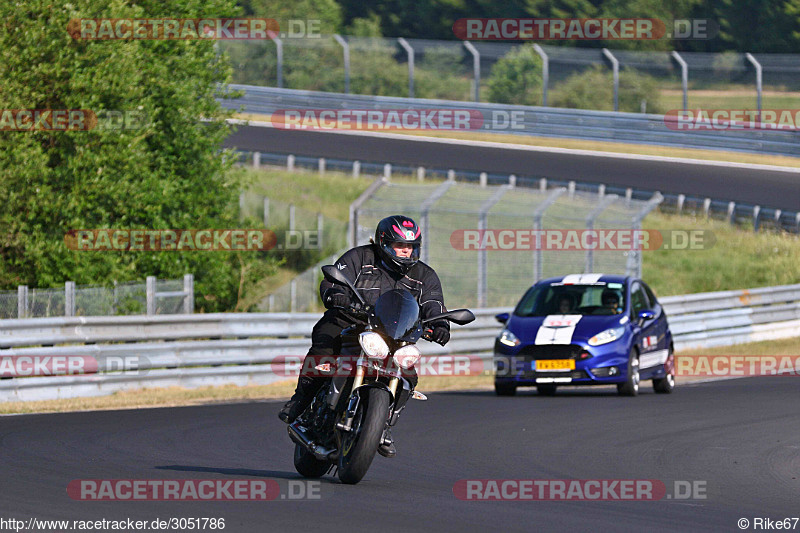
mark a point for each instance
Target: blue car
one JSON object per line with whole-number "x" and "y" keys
{"x": 585, "y": 329}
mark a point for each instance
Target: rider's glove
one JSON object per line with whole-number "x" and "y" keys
{"x": 334, "y": 298}
{"x": 441, "y": 333}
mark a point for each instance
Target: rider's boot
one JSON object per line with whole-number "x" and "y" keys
{"x": 387, "y": 448}
{"x": 307, "y": 388}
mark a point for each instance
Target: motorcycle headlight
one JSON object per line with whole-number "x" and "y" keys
{"x": 373, "y": 345}
{"x": 607, "y": 336}
{"x": 407, "y": 356}
{"x": 508, "y": 338}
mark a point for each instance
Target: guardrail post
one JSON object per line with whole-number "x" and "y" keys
{"x": 601, "y": 190}
{"x": 356, "y": 168}
{"x": 256, "y": 159}
{"x": 483, "y": 179}
{"x": 483, "y": 262}
{"x": 387, "y": 171}
{"x": 188, "y": 288}
{"x": 512, "y": 181}
{"x": 320, "y": 228}
{"x": 451, "y": 175}
{"x": 69, "y": 298}
{"x": 22, "y": 301}
{"x": 321, "y": 166}
{"x": 797, "y": 221}
{"x": 346, "y": 55}
{"x": 628, "y": 196}
{"x": 420, "y": 173}
{"x": 542, "y": 184}
{"x": 291, "y": 217}
{"x": 731, "y": 209}
{"x": 290, "y": 163}
{"x": 778, "y": 218}
{"x": 241, "y": 205}
{"x": 571, "y": 189}
{"x": 271, "y": 304}
{"x": 293, "y": 295}
{"x": 681, "y": 200}
{"x": 706, "y": 207}
{"x": 476, "y": 69}
{"x": 757, "y": 65}
{"x": 545, "y": 72}
{"x": 410, "y": 52}
{"x": 150, "y": 291}
{"x": 684, "y": 77}
{"x": 634, "y": 262}
{"x": 756, "y": 212}
{"x": 615, "y": 71}
{"x": 266, "y": 212}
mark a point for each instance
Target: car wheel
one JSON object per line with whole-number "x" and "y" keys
{"x": 504, "y": 389}
{"x": 546, "y": 389}
{"x": 666, "y": 384}
{"x": 631, "y": 385}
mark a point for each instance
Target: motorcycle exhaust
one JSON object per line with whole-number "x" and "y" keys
{"x": 299, "y": 437}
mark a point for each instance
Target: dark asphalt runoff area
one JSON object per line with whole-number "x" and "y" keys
{"x": 756, "y": 186}
{"x": 737, "y": 440}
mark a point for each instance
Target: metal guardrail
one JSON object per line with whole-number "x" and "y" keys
{"x": 637, "y": 128}
{"x": 257, "y": 348}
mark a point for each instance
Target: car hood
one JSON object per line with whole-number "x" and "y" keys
{"x": 561, "y": 329}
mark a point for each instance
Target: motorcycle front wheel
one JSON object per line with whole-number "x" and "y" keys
{"x": 361, "y": 443}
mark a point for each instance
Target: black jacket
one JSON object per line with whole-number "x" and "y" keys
{"x": 363, "y": 266}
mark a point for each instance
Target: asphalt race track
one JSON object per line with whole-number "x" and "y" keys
{"x": 740, "y": 439}
{"x": 768, "y": 188}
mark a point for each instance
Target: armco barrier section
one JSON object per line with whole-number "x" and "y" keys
{"x": 254, "y": 348}
{"x": 638, "y": 128}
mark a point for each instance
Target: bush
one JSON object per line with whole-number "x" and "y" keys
{"x": 517, "y": 78}
{"x": 594, "y": 89}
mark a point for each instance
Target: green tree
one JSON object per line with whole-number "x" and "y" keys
{"x": 517, "y": 78}
{"x": 166, "y": 173}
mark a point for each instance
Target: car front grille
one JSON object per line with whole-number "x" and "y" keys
{"x": 550, "y": 351}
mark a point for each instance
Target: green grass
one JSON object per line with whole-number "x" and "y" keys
{"x": 738, "y": 259}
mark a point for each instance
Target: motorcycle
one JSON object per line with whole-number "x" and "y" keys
{"x": 345, "y": 423}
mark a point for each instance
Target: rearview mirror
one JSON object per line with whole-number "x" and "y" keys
{"x": 334, "y": 275}
{"x": 502, "y": 317}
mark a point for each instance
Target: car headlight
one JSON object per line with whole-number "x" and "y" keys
{"x": 508, "y": 338}
{"x": 407, "y": 356}
{"x": 607, "y": 336}
{"x": 373, "y": 345}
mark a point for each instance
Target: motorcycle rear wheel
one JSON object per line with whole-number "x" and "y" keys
{"x": 360, "y": 445}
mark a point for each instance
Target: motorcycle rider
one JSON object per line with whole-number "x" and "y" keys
{"x": 390, "y": 261}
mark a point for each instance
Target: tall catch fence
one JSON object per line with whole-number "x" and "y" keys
{"x": 479, "y": 274}
{"x": 452, "y": 70}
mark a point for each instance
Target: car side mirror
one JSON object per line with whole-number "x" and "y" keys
{"x": 645, "y": 315}
{"x": 502, "y": 317}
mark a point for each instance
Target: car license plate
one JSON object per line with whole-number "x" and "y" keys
{"x": 555, "y": 365}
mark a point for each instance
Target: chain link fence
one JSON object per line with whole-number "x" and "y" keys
{"x": 446, "y": 70}
{"x": 485, "y": 275}
{"x": 161, "y": 297}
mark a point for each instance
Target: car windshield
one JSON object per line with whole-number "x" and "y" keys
{"x": 559, "y": 299}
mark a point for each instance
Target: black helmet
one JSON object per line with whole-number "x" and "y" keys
{"x": 398, "y": 228}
